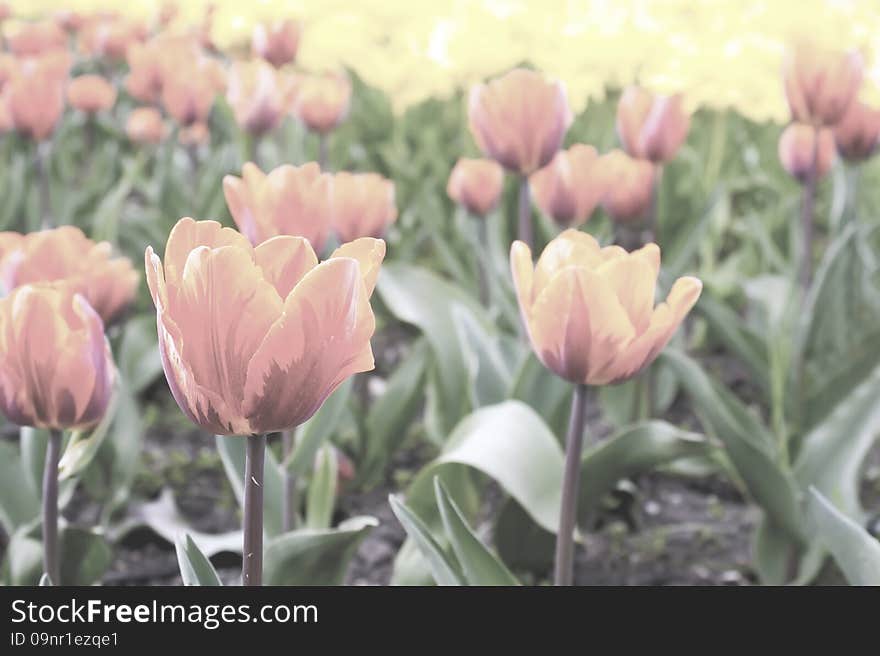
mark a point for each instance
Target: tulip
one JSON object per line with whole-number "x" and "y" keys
{"x": 151, "y": 62}
{"x": 629, "y": 186}
{"x": 798, "y": 149}
{"x": 276, "y": 42}
{"x": 253, "y": 340}
{"x": 69, "y": 21}
{"x": 820, "y": 84}
{"x": 110, "y": 36}
{"x": 321, "y": 103}
{"x": 290, "y": 200}
{"x": 476, "y": 185}
{"x": 145, "y": 126}
{"x": 590, "y": 317}
{"x": 570, "y": 186}
{"x": 362, "y": 205}
{"x": 189, "y": 90}
{"x": 37, "y": 38}
{"x": 5, "y": 11}
{"x": 257, "y": 95}
{"x": 65, "y": 254}
{"x": 91, "y": 94}
{"x": 857, "y": 134}
{"x": 36, "y": 101}
{"x": 651, "y": 127}
{"x": 56, "y": 372}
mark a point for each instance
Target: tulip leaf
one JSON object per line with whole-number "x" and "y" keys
{"x": 317, "y": 430}
{"x": 547, "y": 393}
{"x": 23, "y": 560}
{"x": 444, "y": 569}
{"x": 479, "y": 565}
{"x": 232, "y": 450}
{"x": 83, "y": 446}
{"x": 314, "y": 556}
{"x": 195, "y": 568}
{"x": 322, "y": 490}
{"x": 19, "y": 500}
{"x": 85, "y": 556}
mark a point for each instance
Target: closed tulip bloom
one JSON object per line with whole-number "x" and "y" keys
{"x": 476, "y": 185}
{"x": 56, "y": 370}
{"x": 321, "y": 102}
{"x": 651, "y": 127}
{"x": 589, "y": 311}
{"x": 145, "y": 126}
{"x": 820, "y": 84}
{"x": 91, "y": 94}
{"x": 149, "y": 63}
{"x": 37, "y": 38}
{"x": 797, "y": 146}
{"x": 188, "y": 92}
{"x": 290, "y": 200}
{"x": 36, "y": 103}
{"x": 858, "y": 133}
{"x": 363, "y": 205}
{"x": 519, "y": 119}
{"x": 110, "y": 36}
{"x": 628, "y": 185}
{"x": 570, "y": 186}
{"x": 257, "y": 95}
{"x": 276, "y": 42}
{"x": 253, "y": 340}
{"x": 65, "y": 254}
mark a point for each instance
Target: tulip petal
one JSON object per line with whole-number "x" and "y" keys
{"x": 369, "y": 253}
{"x": 285, "y": 260}
{"x": 633, "y": 279}
{"x": 523, "y": 274}
{"x": 188, "y": 234}
{"x": 571, "y": 247}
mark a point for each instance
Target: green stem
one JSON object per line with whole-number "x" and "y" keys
{"x": 807, "y": 208}
{"x": 289, "y": 501}
{"x": 564, "y": 570}
{"x": 51, "y": 562}
{"x": 524, "y": 225}
{"x": 482, "y": 253}
{"x": 252, "y": 524}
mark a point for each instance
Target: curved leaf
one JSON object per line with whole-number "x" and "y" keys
{"x": 19, "y": 502}
{"x": 317, "y": 430}
{"x": 444, "y": 568}
{"x": 855, "y": 550}
{"x": 195, "y": 568}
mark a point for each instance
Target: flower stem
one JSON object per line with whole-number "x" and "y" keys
{"x": 51, "y": 563}
{"x": 483, "y": 263}
{"x": 289, "y": 500}
{"x": 252, "y": 547}
{"x": 807, "y": 204}
{"x": 570, "y": 487}
{"x": 524, "y": 226}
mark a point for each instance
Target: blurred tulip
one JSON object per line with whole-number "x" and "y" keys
{"x": 8, "y": 68}
{"x": 5, "y": 11}
{"x": 36, "y": 38}
{"x": 257, "y": 95}
{"x": 290, "y": 200}
{"x": 91, "y": 94}
{"x": 363, "y": 205}
{"x": 589, "y": 311}
{"x": 798, "y": 146}
{"x": 476, "y": 185}
{"x": 151, "y": 62}
{"x": 196, "y": 134}
{"x": 651, "y": 127}
{"x": 858, "y": 133}
{"x": 519, "y": 119}
{"x": 253, "y": 340}
{"x": 145, "y": 126}
{"x": 66, "y": 255}
{"x": 69, "y": 21}
{"x": 570, "y": 186}
{"x": 819, "y": 83}
{"x": 168, "y": 11}
{"x": 35, "y": 99}
{"x": 189, "y": 90}
{"x": 56, "y": 370}
{"x": 110, "y": 36}
{"x": 322, "y": 101}
{"x": 629, "y": 185}
{"x": 276, "y": 42}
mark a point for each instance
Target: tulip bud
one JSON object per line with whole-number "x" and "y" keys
{"x": 56, "y": 370}
{"x": 321, "y": 102}
{"x": 820, "y": 84}
{"x": 257, "y": 95}
{"x": 91, "y": 94}
{"x": 569, "y": 187}
{"x": 189, "y": 90}
{"x": 145, "y": 126}
{"x": 519, "y": 119}
{"x": 589, "y": 311}
{"x": 651, "y": 127}
{"x": 37, "y": 38}
{"x": 65, "y": 254}
{"x": 798, "y": 148}
{"x": 36, "y": 101}
{"x": 253, "y": 340}
{"x": 629, "y": 185}
{"x": 276, "y": 42}
{"x": 476, "y": 185}
{"x": 858, "y": 133}
{"x": 363, "y": 205}
{"x": 290, "y": 200}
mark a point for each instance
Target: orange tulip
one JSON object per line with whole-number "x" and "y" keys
{"x": 149, "y": 63}
{"x": 820, "y": 84}
{"x": 66, "y": 254}
{"x": 276, "y": 42}
{"x": 145, "y": 126}
{"x": 651, "y": 127}
{"x": 629, "y": 185}
{"x": 35, "y": 97}
{"x": 589, "y": 311}
{"x": 253, "y": 340}
{"x": 110, "y": 36}
{"x": 37, "y": 38}
{"x": 91, "y": 94}
{"x": 569, "y": 187}
{"x": 858, "y": 132}
{"x": 189, "y": 90}
{"x": 363, "y": 205}
{"x": 290, "y": 200}
{"x": 258, "y": 96}
{"x": 519, "y": 119}
{"x": 56, "y": 370}
{"x": 798, "y": 146}
{"x": 476, "y": 184}
{"x": 321, "y": 102}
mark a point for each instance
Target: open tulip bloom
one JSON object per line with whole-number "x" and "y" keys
{"x": 253, "y": 340}
{"x": 590, "y": 317}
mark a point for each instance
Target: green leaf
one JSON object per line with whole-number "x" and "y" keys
{"x": 322, "y": 490}
{"x": 314, "y": 557}
{"x": 444, "y": 568}
{"x": 138, "y": 353}
{"x": 480, "y": 566}
{"x": 547, "y": 393}
{"x": 85, "y": 556}
{"x": 23, "y": 560}
{"x": 19, "y": 501}
{"x": 195, "y": 568}
{"x": 82, "y": 447}
{"x": 855, "y": 550}
{"x": 317, "y": 430}
{"x": 232, "y": 453}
